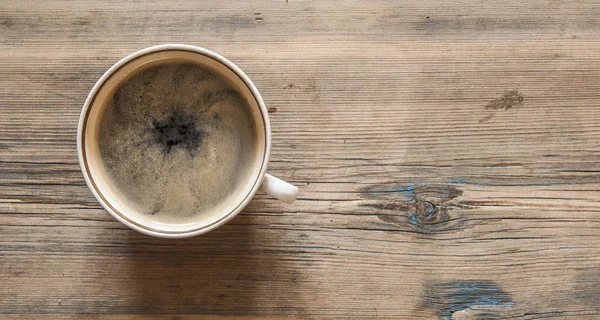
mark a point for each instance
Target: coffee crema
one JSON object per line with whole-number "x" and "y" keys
{"x": 175, "y": 140}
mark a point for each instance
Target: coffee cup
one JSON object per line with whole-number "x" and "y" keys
{"x": 174, "y": 141}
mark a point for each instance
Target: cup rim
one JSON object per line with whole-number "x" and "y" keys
{"x": 121, "y": 217}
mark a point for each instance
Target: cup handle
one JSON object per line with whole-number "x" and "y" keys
{"x": 279, "y": 189}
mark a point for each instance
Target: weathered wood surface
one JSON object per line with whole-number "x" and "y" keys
{"x": 447, "y": 155}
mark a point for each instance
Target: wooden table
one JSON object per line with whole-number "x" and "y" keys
{"x": 447, "y": 156}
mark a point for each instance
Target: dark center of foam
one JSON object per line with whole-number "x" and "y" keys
{"x": 179, "y": 130}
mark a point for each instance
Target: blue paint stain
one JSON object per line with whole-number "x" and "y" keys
{"x": 458, "y": 181}
{"x": 413, "y": 219}
{"x": 408, "y": 192}
{"x": 449, "y": 297}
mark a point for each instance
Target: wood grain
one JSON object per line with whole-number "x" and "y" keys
{"x": 446, "y": 154}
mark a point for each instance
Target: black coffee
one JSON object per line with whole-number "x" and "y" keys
{"x": 175, "y": 140}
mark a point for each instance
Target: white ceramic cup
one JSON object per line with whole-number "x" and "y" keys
{"x": 264, "y": 181}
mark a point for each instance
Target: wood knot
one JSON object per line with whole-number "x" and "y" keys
{"x": 428, "y": 217}
{"x": 425, "y": 208}
{"x": 431, "y": 209}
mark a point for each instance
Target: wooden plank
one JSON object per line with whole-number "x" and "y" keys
{"x": 446, "y": 154}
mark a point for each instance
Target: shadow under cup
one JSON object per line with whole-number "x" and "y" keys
{"x": 127, "y": 211}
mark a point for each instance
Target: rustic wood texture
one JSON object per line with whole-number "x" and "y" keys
{"x": 447, "y": 154}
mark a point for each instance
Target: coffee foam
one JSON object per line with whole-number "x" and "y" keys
{"x": 176, "y": 141}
